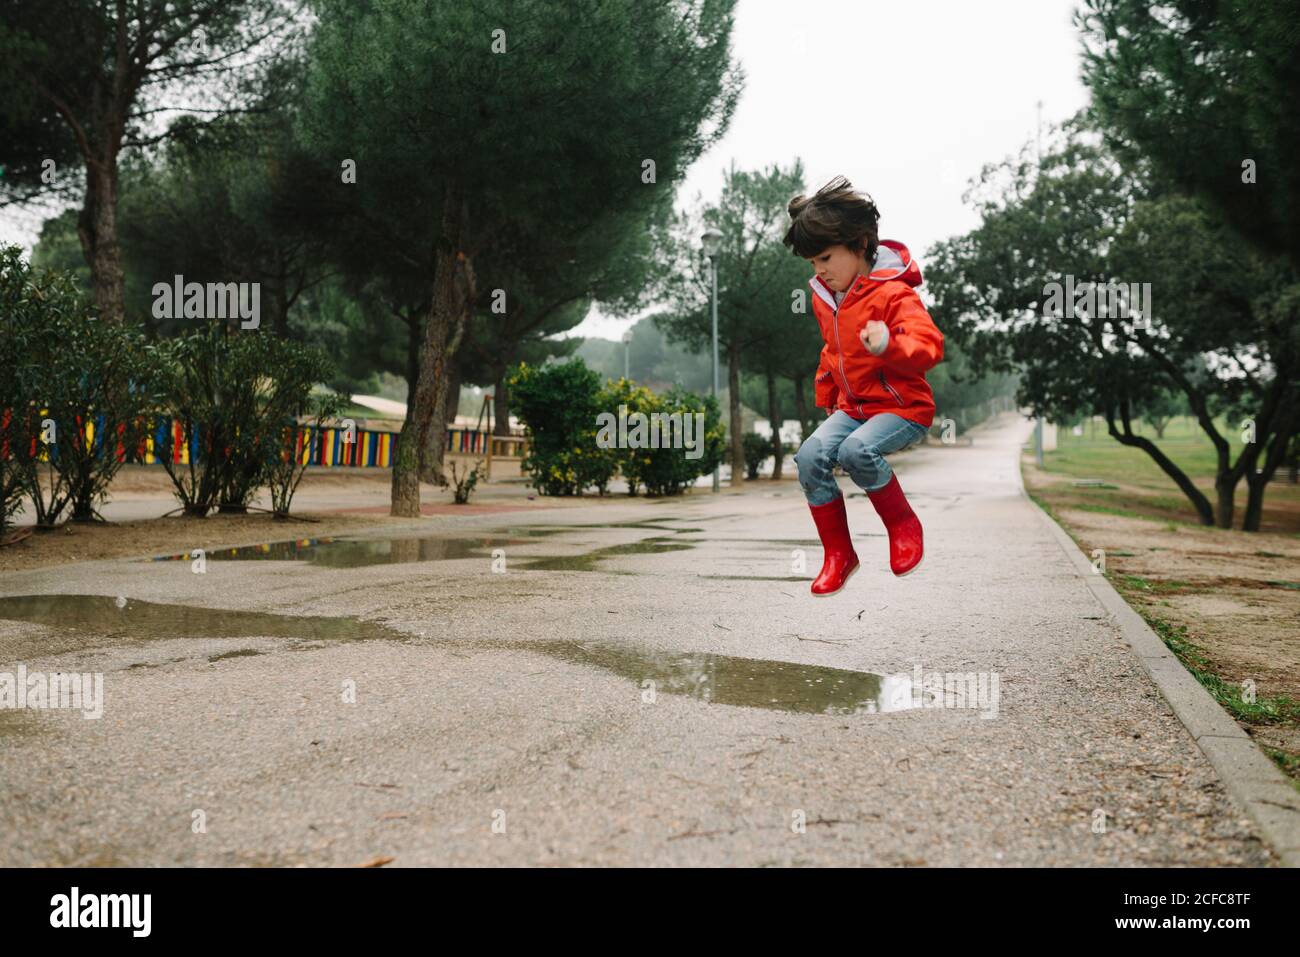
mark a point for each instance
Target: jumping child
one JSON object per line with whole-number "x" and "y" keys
{"x": 880, "y": 342}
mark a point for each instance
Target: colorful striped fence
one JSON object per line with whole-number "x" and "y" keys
{"x": 326, "y": 446}
{"x": 315, "y": 445}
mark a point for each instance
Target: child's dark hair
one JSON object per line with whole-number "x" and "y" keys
{"x": 836, "y": 214}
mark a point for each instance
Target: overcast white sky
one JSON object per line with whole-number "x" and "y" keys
{"x": 907, "y": 99}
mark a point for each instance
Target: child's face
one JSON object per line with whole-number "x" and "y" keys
{"x": 838, "y": 266}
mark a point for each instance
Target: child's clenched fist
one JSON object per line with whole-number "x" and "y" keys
{"x": 875, "y": 336}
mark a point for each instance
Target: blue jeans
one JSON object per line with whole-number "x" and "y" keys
{"x": 859, "y": 447}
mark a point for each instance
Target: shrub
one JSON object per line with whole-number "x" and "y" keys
{"x": 287, "y": 466}
{"x": 463, "y": 485}
{"x": 632, "y": 464}
{"x": 77, "y": 389}
{"x": 757, "y": 450}
{"x": 668, "y": 470}
{"x": 237, "y": 397}
{"x": 558, "y": 405}
{"x": 16, "y": 436}
{"x": 561, "y": 405}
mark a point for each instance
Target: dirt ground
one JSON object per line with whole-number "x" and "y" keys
{"x": 328, "y": 502}
{"x": 80, "y": 542}
{"x": 1237, "y": 593}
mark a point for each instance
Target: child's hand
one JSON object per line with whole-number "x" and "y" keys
{"x": 875, "y": 336}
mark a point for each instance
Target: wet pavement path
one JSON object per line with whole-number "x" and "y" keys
{"x": 634, "y": 682}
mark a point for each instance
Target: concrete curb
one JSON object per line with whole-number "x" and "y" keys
{"x": 1249, "y": 775}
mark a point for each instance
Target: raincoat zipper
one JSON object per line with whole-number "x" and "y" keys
{"x": 839, "y": 350}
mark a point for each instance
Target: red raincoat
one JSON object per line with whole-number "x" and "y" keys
{"x": 849, "y": 377}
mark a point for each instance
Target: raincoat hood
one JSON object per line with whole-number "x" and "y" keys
{"x": 893, "y": 261}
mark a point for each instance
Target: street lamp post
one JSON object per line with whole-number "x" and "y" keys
{"x": 627, "y": 348}
{"x": 711, "y": 240}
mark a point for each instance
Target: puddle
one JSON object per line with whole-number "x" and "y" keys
{"x": 18, "y": 724}
{"x": 587, "y": 561}
{"x": 741, "y": 682}
{"x": 718, "y": 679}
{"x": 143, "y": 620}
{"x": 359, "y": 552}
{"x": 355, "y": 552}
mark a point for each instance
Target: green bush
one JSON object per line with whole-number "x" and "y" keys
{"x": 558, "y": 405}
{"x": 16, "y": 423}
{"x": 286, "y": 466}
{"x": 668, "y": 470}
{"x": 561, "y": 406}
{"x": 66, "y": 374}
{"x": 240, "y": 392}
{"x": 632, "y": 464}
{"x": 757, "y": 448}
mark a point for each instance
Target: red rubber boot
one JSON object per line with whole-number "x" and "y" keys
{"x": 840, "y": 560}
{"x": 905, "y": 538}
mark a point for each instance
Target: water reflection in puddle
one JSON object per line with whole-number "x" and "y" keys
{"x": 742, "y": 682}
{"x": 717, "y": 679}
{"x": 354, "y": 552}
{"x": 123, "y": 620}
{"x": 357, "y": 552}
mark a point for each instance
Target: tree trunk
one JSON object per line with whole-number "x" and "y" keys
{"x": 97, "y": 229}
{"x": 1194, "y": 495}
{"x": 737, "y": 437}
{"x": 1224, "y": 486}
{"x": 443, "y": 334}
{"x": 413, "y": 330}
{"x": 453, "y": 296}
{"x": 1254, "y": 502}
{"x": 452, "y": 407}
{"x": 501, "y": 406}
{"x": 406, "y": 478}
{"x": 436, "y": 374}
{"x": 1276, "y": 451}
{"x": 774, "y": 416}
